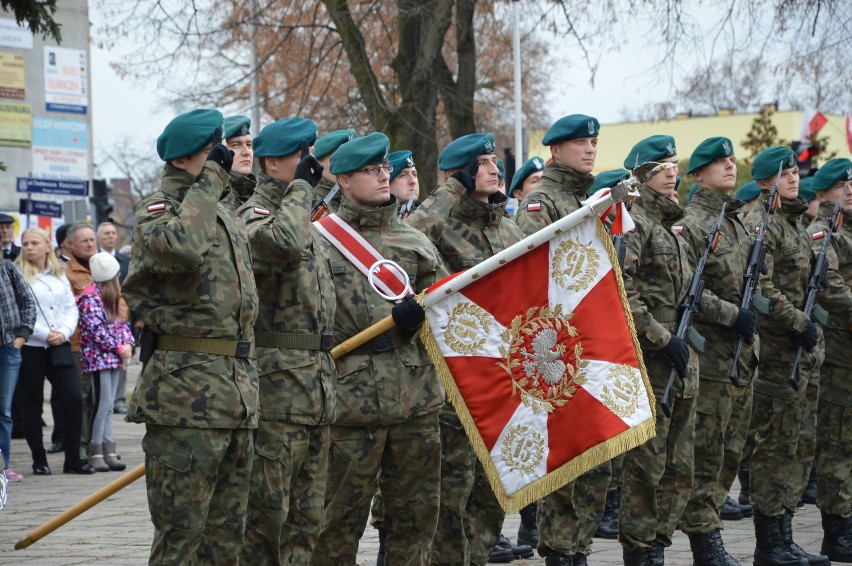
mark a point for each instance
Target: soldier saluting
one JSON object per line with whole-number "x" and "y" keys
{"x": 191, "y": 282}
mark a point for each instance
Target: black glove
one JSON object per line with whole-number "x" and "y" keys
{"x": 745, "y": 324}
{"x": 677, "y": 353}
{"x": 221, "y": 155}
{"x": 467, "y": 176}
{"x": 809, "y": 337}
{"x": 309, "y": 169}
{"x": 407, "y": 314}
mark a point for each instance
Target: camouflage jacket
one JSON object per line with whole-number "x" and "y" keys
{"x": 557, "y": 194}
{"x": 836, "y": 298}
{"x": 321, "y": 191}
{"x": 788, "y": 265}
{"x": 723, "y": 283}
{"x": 294, "y": 281}
{"x": 240, "y": 189}
{"x": 437, "y": 205}
{"x": 392, "y": 386}
{"x": 190, "y": 275}
{"x": 658, "y": 268}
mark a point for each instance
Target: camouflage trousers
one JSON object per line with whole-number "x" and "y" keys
{"x": 568, "y": 517}
{"x": 834, "y": 448}
{"x": 406, "y": 458}
{"x": 806, "y": 448}
{"x": 722, "y": 409}
{"x": 657, "y": 479}
{"x": 287, "y": 494}
{"x": 197, "y": 481}
{"x": 465, "y": 505}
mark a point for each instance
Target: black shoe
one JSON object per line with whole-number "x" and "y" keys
{"x": 501, "y": 555}
{"x": 837, "y": 542}
{"x": 608, "y": 527}
{"x": 528, "y": 531}
{"x": 56, "y": 447}
{"x": 580, "y": 560}
{"x": 746, "y": 510}
{"x": 519, "y": 551}
{"x": 559, "y": 560}
{"x": 80, "y": 468}
{"x": 811, "y": 490}
{"x": 708, "y": 550}
{"x": 637, "y": 557}
{"x": 658, "y": 554}
{"x": 43, "y": 470}
{"x": 795, "y": 549}
{"x": 730, "y": 511}
{"x": 770, "y": 548}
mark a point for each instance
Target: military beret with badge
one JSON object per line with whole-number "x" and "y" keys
{"x": 189, "y": 133}
{"x": 462, "y": 151}
{"x": 839, "y": 169}
{"x": 766, "y": 164}
{"x": 285, "y": 137}
{"x": 531, "y": 166}
{"x": 653, "y": 148}
{"x": 355, "y": 154}
{"x": 572, "y": 127}
{"x": 750, "y": 191}
{"x": 331, "y": 141}
{"x": 237, "y": 126}
{"x": 709, "y": 151}
{"x": 608, "y": 179}
{"x": 400, "y": 160}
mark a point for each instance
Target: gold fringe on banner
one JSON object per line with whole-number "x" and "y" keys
{"x": 586, "y": 461}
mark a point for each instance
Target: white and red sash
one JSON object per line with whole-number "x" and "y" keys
{"x": 365, "y": 257}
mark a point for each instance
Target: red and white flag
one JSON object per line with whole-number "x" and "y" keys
{"x": 849, "y": 131}
{"x": 549, "y": 382}
{"x": 812, "y": 123}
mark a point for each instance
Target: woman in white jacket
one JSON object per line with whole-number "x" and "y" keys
{"x": 56, "y": 319}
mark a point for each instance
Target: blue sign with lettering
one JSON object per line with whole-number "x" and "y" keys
{"x": 52, "y": 186}
{"x": 41, "y": 208}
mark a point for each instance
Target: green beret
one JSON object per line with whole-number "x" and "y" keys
{"x": 359, "y": 152}
{"x": 331, "y": 141}
{"x": 750, "y": 191}
{"x": 573, "y": 127}
{"x": 709, "y": 151}
{"x": 189, "y": 133}
{"x": 607, "y": 180}
{"x": 501, "y": 170}
{"x": 806, "y": 189}
{"x": 527, "y": 169}
{"x": 692, "y": 190}
{"x": 237, "y": 126}
{"x": 284, "y": 137}
{"x": 400, "y": 160}
{"x": 766, "y": 164}
{"x": 650, "y": 149}
{"x": 839, "y": 169}
{"x": 465, "y": 149}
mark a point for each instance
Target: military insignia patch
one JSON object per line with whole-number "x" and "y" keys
{"x": 534, "y": 207}
{"x": 727, "y": 147}
{"x": 244, "y": 130}
{"x": 539, "y": 163}
{"x": 671, "y": 149}
{"x": 488, "y": 147}
{"x": 156, "y": 207}
{"x": 591, "y": 125}
{"x": 677, "y": 229}
{"x": 259, "y": 210}
{"x": 409, "y": 161}
{"x": 792, "y": 160}
{"x": 818, "y": 235}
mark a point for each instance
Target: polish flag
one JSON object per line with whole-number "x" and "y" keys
{"x": 812, "y": 123}
{"x": 849, "y": 131}
{"x": 548, "y": 383}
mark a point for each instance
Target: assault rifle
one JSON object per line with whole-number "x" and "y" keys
{"x": 817, "y": 282}
{"x": 685, "y": 330}
{"x": 756, "y": 258}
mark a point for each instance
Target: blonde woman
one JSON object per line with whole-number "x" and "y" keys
{"x": 47, "y": 354}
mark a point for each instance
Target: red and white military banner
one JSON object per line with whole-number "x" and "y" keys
{"x": 540, "y": 359}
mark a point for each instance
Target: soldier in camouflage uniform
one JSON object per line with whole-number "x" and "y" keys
{"x": 192, "y": 284}
{"x": 471, "y": 231}
{"x": 388, "y": 393}
{"x": 658, "y": 267}
{"x": 404, "y": 184}
{"x": 834, "y": 438}
{"x": 777, "y": 411}
{"x": 722, "y": 407}
{"x": 241, "y": 180}
{"x": 568, "y": 517}
{"x": 323, "y": 150}
{"x": 294, "y": 337}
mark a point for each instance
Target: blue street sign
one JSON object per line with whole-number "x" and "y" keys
{"x": 40, "y": 208}
{"x": 52, "y": 186}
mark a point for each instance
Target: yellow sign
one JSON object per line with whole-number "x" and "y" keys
{"x": 11, "y": 76}
{"x": 16, "y": 124}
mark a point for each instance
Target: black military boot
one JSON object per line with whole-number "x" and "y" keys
{"x": 528, "y": 532}
{"x": 770, "y": 549}
{"x": 559, "y": 560}
{"x": 809, "y": 496}
{"x": 837, "y": 538}
{"x": 731, "y": 511}
{"x": 637, "y": 557}
{"x": 608, "y": 527}
{"x": 380, "y": 557}
{"x": 787, "y": 534}
{"x": 501, "y": 555}
{"x": 519, "y": 551}
{"x": 708, "y": 550}
{"x": 745, "y": 490}
{"x": 658, "y": 554}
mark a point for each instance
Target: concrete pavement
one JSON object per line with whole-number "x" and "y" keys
{"x": 118, "y": 531}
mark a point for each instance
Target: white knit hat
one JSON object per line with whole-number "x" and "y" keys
{"x": 103, "y": 266}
